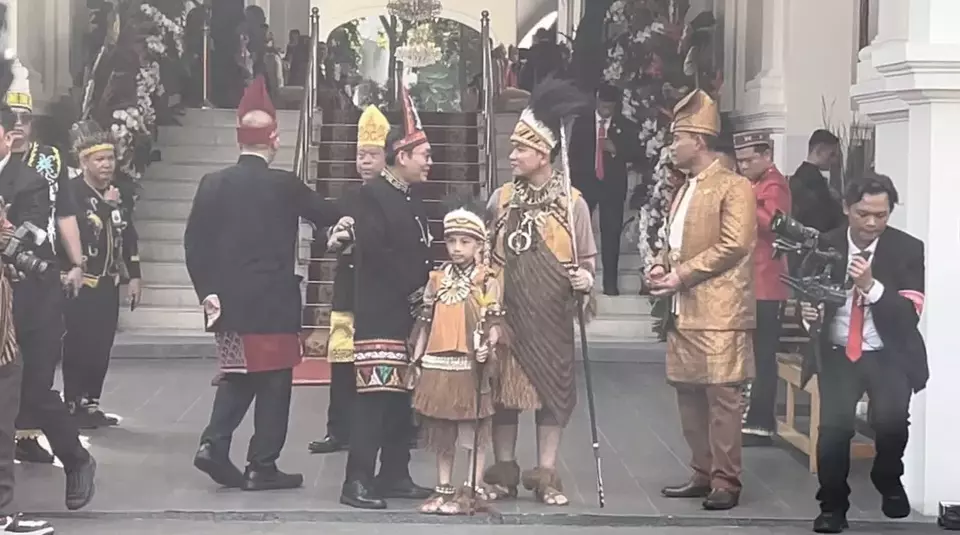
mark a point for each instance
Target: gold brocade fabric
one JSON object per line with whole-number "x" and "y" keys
{"x": 340, "y": 344}
{"x": 709, "y": 357}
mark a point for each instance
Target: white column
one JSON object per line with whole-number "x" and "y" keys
{"x": 766, "y": 90}
{"x": 563, "y": 20}
{"x": 923, "y": 70}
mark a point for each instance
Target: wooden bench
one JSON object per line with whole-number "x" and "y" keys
{"x": 789, "y": 371}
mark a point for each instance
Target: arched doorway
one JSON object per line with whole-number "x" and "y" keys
{"x": 440, "y": 57}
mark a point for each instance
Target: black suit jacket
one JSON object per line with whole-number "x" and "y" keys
{"x": 583, "y": 153}
{"x": 241, "y": 244}
{"x": 898, "y": 264}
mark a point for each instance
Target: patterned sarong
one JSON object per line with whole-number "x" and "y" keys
{"x": 251, "y": 353}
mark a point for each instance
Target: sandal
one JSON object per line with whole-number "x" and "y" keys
{"x": 546, "y": 485}
{"x": 502, "y": 481}
{"x": 441, "y": 496}
{"x": 464, "y": 502}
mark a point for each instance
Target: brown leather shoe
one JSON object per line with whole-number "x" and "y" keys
{"x": 721, "y": 500}
{"x": 690, "y": 489}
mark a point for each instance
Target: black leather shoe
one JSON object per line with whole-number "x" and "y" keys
{"x": 329, "y": 444}
{"x": 80, "y": 484}
{"x": 29, "y": 450}
{"x": 830, "y": 522}
{"x": 896, "y": 504}
{"x": 270, "y": 479}
{"x": 721, "y": 500}
{"x": 690, "y": 489}
{"x": 404, "y": 489}
{"x": 356, "y": 495}
{"x": 218, "y": 467}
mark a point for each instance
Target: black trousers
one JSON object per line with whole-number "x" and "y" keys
{"x": 10, "y": 375}
{"x": 38, "y": 315}
{"x": 842, "y": 384}
{"x": 343, "y": 390}
{"x": 235, "y": 392}
{"x": 382, "y": 424}
{"x": 91, "y": 321}
{"x": 610, "y": 195}
{"x": 760, "y": 417}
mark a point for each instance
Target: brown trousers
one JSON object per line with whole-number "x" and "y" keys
{"x": 711, "y": 417}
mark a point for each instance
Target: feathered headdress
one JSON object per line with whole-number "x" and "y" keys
{"x": 256, "y": 98}
{"x": 18, "y": 95}
{"x": 552, "y": 102}
{"x": 87, "y": 137}
{"x": 465, "y": 215}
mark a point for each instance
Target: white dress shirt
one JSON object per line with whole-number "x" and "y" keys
{"x": 840, "y": 328}
{"x": 4, "y": 162}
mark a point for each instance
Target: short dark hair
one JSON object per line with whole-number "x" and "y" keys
{"x": 8, "y": 119}
{"x": 723, "y": 145}
{"x": 609, "y": 93}
{"x": 390, "y": 154}
{"x": 713, "y": 143}
{"x": 822, "y": 137}
{"x": 871, "y": 183}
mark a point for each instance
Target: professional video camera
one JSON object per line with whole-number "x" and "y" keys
{"x": 16, "y": 254}
{"x": 814, "y": 278}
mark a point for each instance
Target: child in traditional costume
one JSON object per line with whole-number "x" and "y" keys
{"x": 456, "y": 332}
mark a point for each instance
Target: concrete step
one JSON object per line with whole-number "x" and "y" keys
{"x": 168, "y": 251}
{"x": 628, "y": 281}
{"x": 623, "y": 305}
{"x": 621, "y": 328}
{"x": 286, "y": 119}
{"x": 163, "y": 209}
{"x": 216, "y": 154}
{"x": 154, "y": 229}
{"x": 162, "y": 190}
{"x": 165, "y": 273}
{"x": 168, "y": 295}
{"x": 158, "y": 318}
{"x": 226, "y": 136}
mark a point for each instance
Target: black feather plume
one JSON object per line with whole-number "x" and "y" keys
{"x": 554, "y": 100}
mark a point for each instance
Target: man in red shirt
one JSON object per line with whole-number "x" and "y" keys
{"x": 755, "y": 161}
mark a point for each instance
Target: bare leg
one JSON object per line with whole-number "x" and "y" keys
{"x": 504, "y": 475}
{"x": 505, "y": 442}
{"x": 548, "y": 444}
{"x": 446, "y": 456}
{"x": 544, "y": 480}
{"x": 445, "y": 462}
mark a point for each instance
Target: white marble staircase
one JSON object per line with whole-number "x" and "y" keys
{"x": 205, "y": 142}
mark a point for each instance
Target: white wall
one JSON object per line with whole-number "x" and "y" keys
{"x": 503, "y": 14}
{"x": 41, "y": 32}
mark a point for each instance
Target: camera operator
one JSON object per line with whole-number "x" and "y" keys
{"x": 38, "y": 316}
{"x": 872, "y": 343}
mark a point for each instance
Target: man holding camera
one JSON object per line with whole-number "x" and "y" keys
{"x": 708, "y": 269}
{"x": 38, "y": 314}
{"x": 870, "y": 344}
{"x": 755, "y": 161}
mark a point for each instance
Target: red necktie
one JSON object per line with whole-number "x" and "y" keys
{"x": 601, "y": 136}
{"x": 855, "y": 336}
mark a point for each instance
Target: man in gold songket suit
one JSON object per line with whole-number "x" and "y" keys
{"x": 544, "y": 248}
{"x": 708, "y": 270}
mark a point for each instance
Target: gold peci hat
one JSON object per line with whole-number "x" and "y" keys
{"x": 696, "y": 113}
{"x": 372, "y": 128}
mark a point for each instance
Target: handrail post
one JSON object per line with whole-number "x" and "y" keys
{"x": 206, "y": 59}
{"x": 487, "y": 112}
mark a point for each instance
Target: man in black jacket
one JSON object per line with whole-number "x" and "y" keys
{"x": 601, "y": 145}
{"x": 814, "y": 203}
{"x": 38, "y": 315}
{"x": 241, "y": 248}
{"x": 871, "y": 344}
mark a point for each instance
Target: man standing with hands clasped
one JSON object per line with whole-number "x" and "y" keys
{"x": 708, "y": 269}
{"x": 871, "y": 344}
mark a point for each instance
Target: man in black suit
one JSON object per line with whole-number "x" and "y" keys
{"x": 600, "y": 148}
{"x": 814, "y": 203}
{"x": 871, "y": 344}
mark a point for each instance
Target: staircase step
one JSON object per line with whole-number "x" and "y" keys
{"x": 427, "y": 118}
{"x": 152, "y": 229}
{"x": 287, "y": 120}
{"x": 167, "y": 251}
{"x": 168, "y": 295}
{"x": 163, "y": 210}
{"x": 222, "y": 155}
{"x": 175, "y": 136}
{"x": 621, "y": 328}
{"x": 154, "y": 189}
{"x": 165, "y": 273}
{"x": 157, "y": 318}
{"x": 623, "y": 305}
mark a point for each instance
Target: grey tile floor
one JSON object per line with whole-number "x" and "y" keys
{"x": 145, "y": 464}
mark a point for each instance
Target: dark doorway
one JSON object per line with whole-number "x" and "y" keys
{"x": 226, "y": 78}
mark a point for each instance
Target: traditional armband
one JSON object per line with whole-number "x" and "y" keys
{"x": 496, "y": 312}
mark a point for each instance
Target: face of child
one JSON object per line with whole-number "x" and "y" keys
{"x": 462, "y": 249}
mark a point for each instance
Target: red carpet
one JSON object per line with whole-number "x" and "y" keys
{"x": 312, "y": 372}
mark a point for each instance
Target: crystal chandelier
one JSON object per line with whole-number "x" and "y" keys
{"x": 418, "y": 55}
{"x": 414, "y": 10}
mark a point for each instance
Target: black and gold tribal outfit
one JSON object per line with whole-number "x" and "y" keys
{"x": 110, "y": 251}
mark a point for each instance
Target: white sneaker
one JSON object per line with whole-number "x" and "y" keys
{"x": 16, "y": 524}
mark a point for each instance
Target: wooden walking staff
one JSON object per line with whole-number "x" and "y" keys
{"x": 579, "y": 296}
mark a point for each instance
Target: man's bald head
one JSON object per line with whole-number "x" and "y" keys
{"x": 256, "y": 119}
{"x": 260, "y": 119}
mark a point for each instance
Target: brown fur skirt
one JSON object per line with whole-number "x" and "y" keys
{"x": 443, "y": 399}
{"x": 514, "y": 389}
